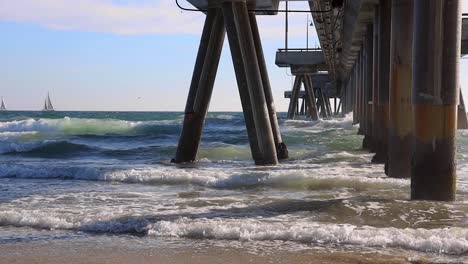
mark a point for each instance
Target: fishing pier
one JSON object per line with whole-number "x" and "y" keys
{"x": 394, "y": 63}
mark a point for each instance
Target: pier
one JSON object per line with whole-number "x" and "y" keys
{"x": 394, "y": 63}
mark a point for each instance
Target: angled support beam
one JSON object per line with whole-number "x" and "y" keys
{"x": 201, "y": 87}
{"x": 281, "y": 148}
{"x": 310, "y": 98}
{"x": 237, "y": 17}
{"x": 294, "y": 97}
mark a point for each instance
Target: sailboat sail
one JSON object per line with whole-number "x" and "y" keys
{"x": 3, "y": 105}
{"x": 48, "y": 104}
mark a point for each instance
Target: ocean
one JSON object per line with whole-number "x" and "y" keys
{"x": 73, "y": 178}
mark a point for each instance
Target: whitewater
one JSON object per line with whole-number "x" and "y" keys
{"x": 67, "y": 176}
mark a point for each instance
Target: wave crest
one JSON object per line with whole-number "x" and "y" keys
{"x": 82, "y": 126}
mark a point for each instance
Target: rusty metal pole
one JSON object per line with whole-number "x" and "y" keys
{"x": 361, "y": 93}
{"x": 281, "y": 148}
{"x": 369, "y": 43}
{"x": 436, "y": 70}
{"x": 201, "y": 87}
{"x": 355, "y": 96}
{"x": 364, "y": 89}
{"x": 375, "y": 82}
{"x": 400, "y": 122}
{"x": 381, "y": 154}
{"x": 237, "y": 16}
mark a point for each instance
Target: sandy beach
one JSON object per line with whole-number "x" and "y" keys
{"x": 91, "y": 252}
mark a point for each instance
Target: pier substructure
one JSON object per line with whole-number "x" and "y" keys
{"x": 281, "y": 149}
{"x": 375, "y": 81}
{"x": 436, "y": 62}
{"x": 309, "y": 100}
{"x": 368, "y": 71}
{"x": 254, "y": 88}
{"x": 382, "y": 114}
{"x": 400, "y": 122}
{"x": 201, "y": 87}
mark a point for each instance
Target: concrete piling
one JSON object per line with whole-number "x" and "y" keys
{"x": 260, "y": 117}
{"x": 436, "y": 63}
{"x": 381, "y": 150}
{"x": 368, "y": 44}
{"x": 375, "y": 80}
{"x": 310, "y": 98}
{"x": 201, "y": 87}
{"x": 239, "y": 69}
{"x": 294, "y": 97}
{"x": 281, "y": 148}
{"x": 400, "y": 122}
{"x": 236, "y": 15}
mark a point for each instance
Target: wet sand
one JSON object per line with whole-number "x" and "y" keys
{"x": 90, "y": 251}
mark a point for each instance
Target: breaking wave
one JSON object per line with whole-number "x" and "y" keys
{"x": 450, "y": 240}
{"x": 295, "y": 177}
{"x": 80, "y": 126}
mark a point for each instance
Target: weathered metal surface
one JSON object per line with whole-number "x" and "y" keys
{"x": 201, "y": 87}
{"x": 381, "y": 150}
{"x": 401, "y": 117}
{"x": 294, "y": 96}
{"x": 436, "y": 65}
{"x": 319, "y": 80}
{"x": 271, "y": 6}
{"x": 281, "y": 148}
{"x": 369, "y": 59}
{"x": 300, "y": 58}
{"x": 310, "y": 97}
{"x": 236, "y": 16}
{"x": 308, "y": 69}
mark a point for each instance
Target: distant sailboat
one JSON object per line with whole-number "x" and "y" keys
{"x": 3, "y": 106}
{"x": 48, "y": 104}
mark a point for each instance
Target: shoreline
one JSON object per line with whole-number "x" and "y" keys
{"x": 91, "y": 251}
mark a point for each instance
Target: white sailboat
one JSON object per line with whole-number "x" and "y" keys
{"x": 48, "y": 104}
{"x": 3, "y": 105}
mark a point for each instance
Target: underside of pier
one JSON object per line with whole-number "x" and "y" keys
{"x": 395, "y": 64}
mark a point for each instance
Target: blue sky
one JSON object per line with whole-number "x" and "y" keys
{"x": 123, "y": 55}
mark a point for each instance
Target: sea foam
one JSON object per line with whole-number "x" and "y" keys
{"x": 450, "y": 240}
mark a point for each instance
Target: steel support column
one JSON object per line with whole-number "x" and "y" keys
{"x": 201, "y": 87}
{"x": 381, "y": 154}
{"x": 400, "y": 122}
{"x": 237, "y": 17}
{"x": 369, "y": 43}
{"x": 436, "y": 66}
{"x": 294, "y": 97}
{"x": 281, "y": 148}
{"x": 375, "y": 81}
{"x": 309, "y": 91}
